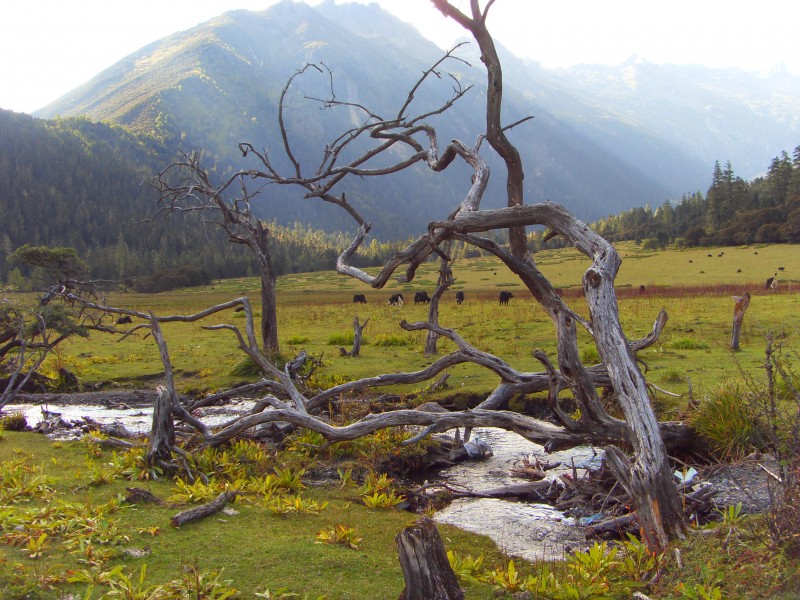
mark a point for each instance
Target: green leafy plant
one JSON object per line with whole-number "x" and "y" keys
{"x": 36, "y": 546}
{"x": 288, "y": 479}
{"x": 382, "y": 500}
{"x": 295, "y": 504}
{"x": 193, "y": 493}
{"x": 343, "y": 535}
{"x": 731, "y": 514}
{"x": 375, "y": 483}
{"x": 195, "y": 583}
{"x": 467, "y": 568}
{"x": 507, "y": 578}
{"x": 345, "y": 476}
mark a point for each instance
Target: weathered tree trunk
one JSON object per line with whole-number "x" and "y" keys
{"x": 358, "y": 331}
{"x": 742, "y": 302}
{"x": 269, "y": 311}
{"x": 426, "y": 570}
{"x": 162, "y": 430}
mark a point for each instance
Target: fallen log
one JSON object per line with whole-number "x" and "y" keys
{"x": 615, "y": 525}
{"x": 205, "y": 510}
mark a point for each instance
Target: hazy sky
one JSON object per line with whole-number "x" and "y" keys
{"x": 48, "y": 47}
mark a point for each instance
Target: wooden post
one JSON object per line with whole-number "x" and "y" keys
{"x": 426, "y": 570}
{"x": 358, "y": 330}
{"x": 742, "y": 302}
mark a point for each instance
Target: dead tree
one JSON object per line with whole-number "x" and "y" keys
{"x": 739, "y": 308}
{"x": 195, "y": 192}
{"x": 162, "y": 430}
{"x": 646, "y": 475}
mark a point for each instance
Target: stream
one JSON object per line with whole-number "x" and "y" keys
{"x": 521, "y": 529}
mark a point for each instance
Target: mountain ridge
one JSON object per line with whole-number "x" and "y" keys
{"x": 590, "y": 147}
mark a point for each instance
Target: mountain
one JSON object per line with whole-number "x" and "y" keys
{"x": 603, "y": 139}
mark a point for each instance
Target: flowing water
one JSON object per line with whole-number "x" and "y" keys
{"x": 528, "y": 530}
{"x": 523, "y": 529}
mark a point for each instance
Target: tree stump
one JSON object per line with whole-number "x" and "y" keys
{"x": 742, "y": 302}
{"x": 358, "y": 330}
{"x": 426, "y": 570}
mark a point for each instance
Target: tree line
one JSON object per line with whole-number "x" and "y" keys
{"x": 732, "y": 212}
{"x": 83, "y": 185}
{"x": 77, "y": 184}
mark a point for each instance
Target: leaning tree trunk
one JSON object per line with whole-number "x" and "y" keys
{"x": 742, "y": 302}
{"x": 426, "y": 570}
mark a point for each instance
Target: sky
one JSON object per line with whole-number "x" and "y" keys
{"x": 49, "y": 47}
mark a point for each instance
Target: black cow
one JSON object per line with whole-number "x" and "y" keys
{"x": 421, "y": 298}
{"x": 505, "y": 297}
{"x": 359, "y": 299}
{"x": 772, "y": 283}
{"x": 396, "y": 300}
{"x": 124, "y": 320}
{"x": 459, "y": 297}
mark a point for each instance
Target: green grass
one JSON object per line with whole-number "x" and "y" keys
{"x": 315, "y": 311}
{"x": 255, "y": 548}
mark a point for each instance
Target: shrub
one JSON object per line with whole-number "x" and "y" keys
{"x": 725, "y": 421}
{"x": 14, "y": 421}
{"x": 342, "y": 339}
{"x": 388, "y": 341}
{"x": 688, "y": 344}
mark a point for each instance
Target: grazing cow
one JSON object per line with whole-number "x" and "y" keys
{"x": 505, "y": 297}
{"x": 642, "y": 289}
{"x": 421, "y": 298}
{"x": 459, "y": 297}
{"x": 359, "y": 299}
{"x": 772, "y": 283}
{"x": 781, "y": 268}
{"x": 396, "y": 300}
{"x": 124, "y": 320}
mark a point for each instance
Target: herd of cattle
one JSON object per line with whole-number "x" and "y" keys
{"x": 423, "y": 298}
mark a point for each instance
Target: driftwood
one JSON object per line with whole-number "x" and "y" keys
{"x": 426, "y": 570}
{"x": 614, "y": 525}
{"x": 205, "y": 510}
{"x": 742, "y": 302}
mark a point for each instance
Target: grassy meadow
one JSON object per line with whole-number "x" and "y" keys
{"x": 315, "y": 313}
{"x": 67, "y": 530}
